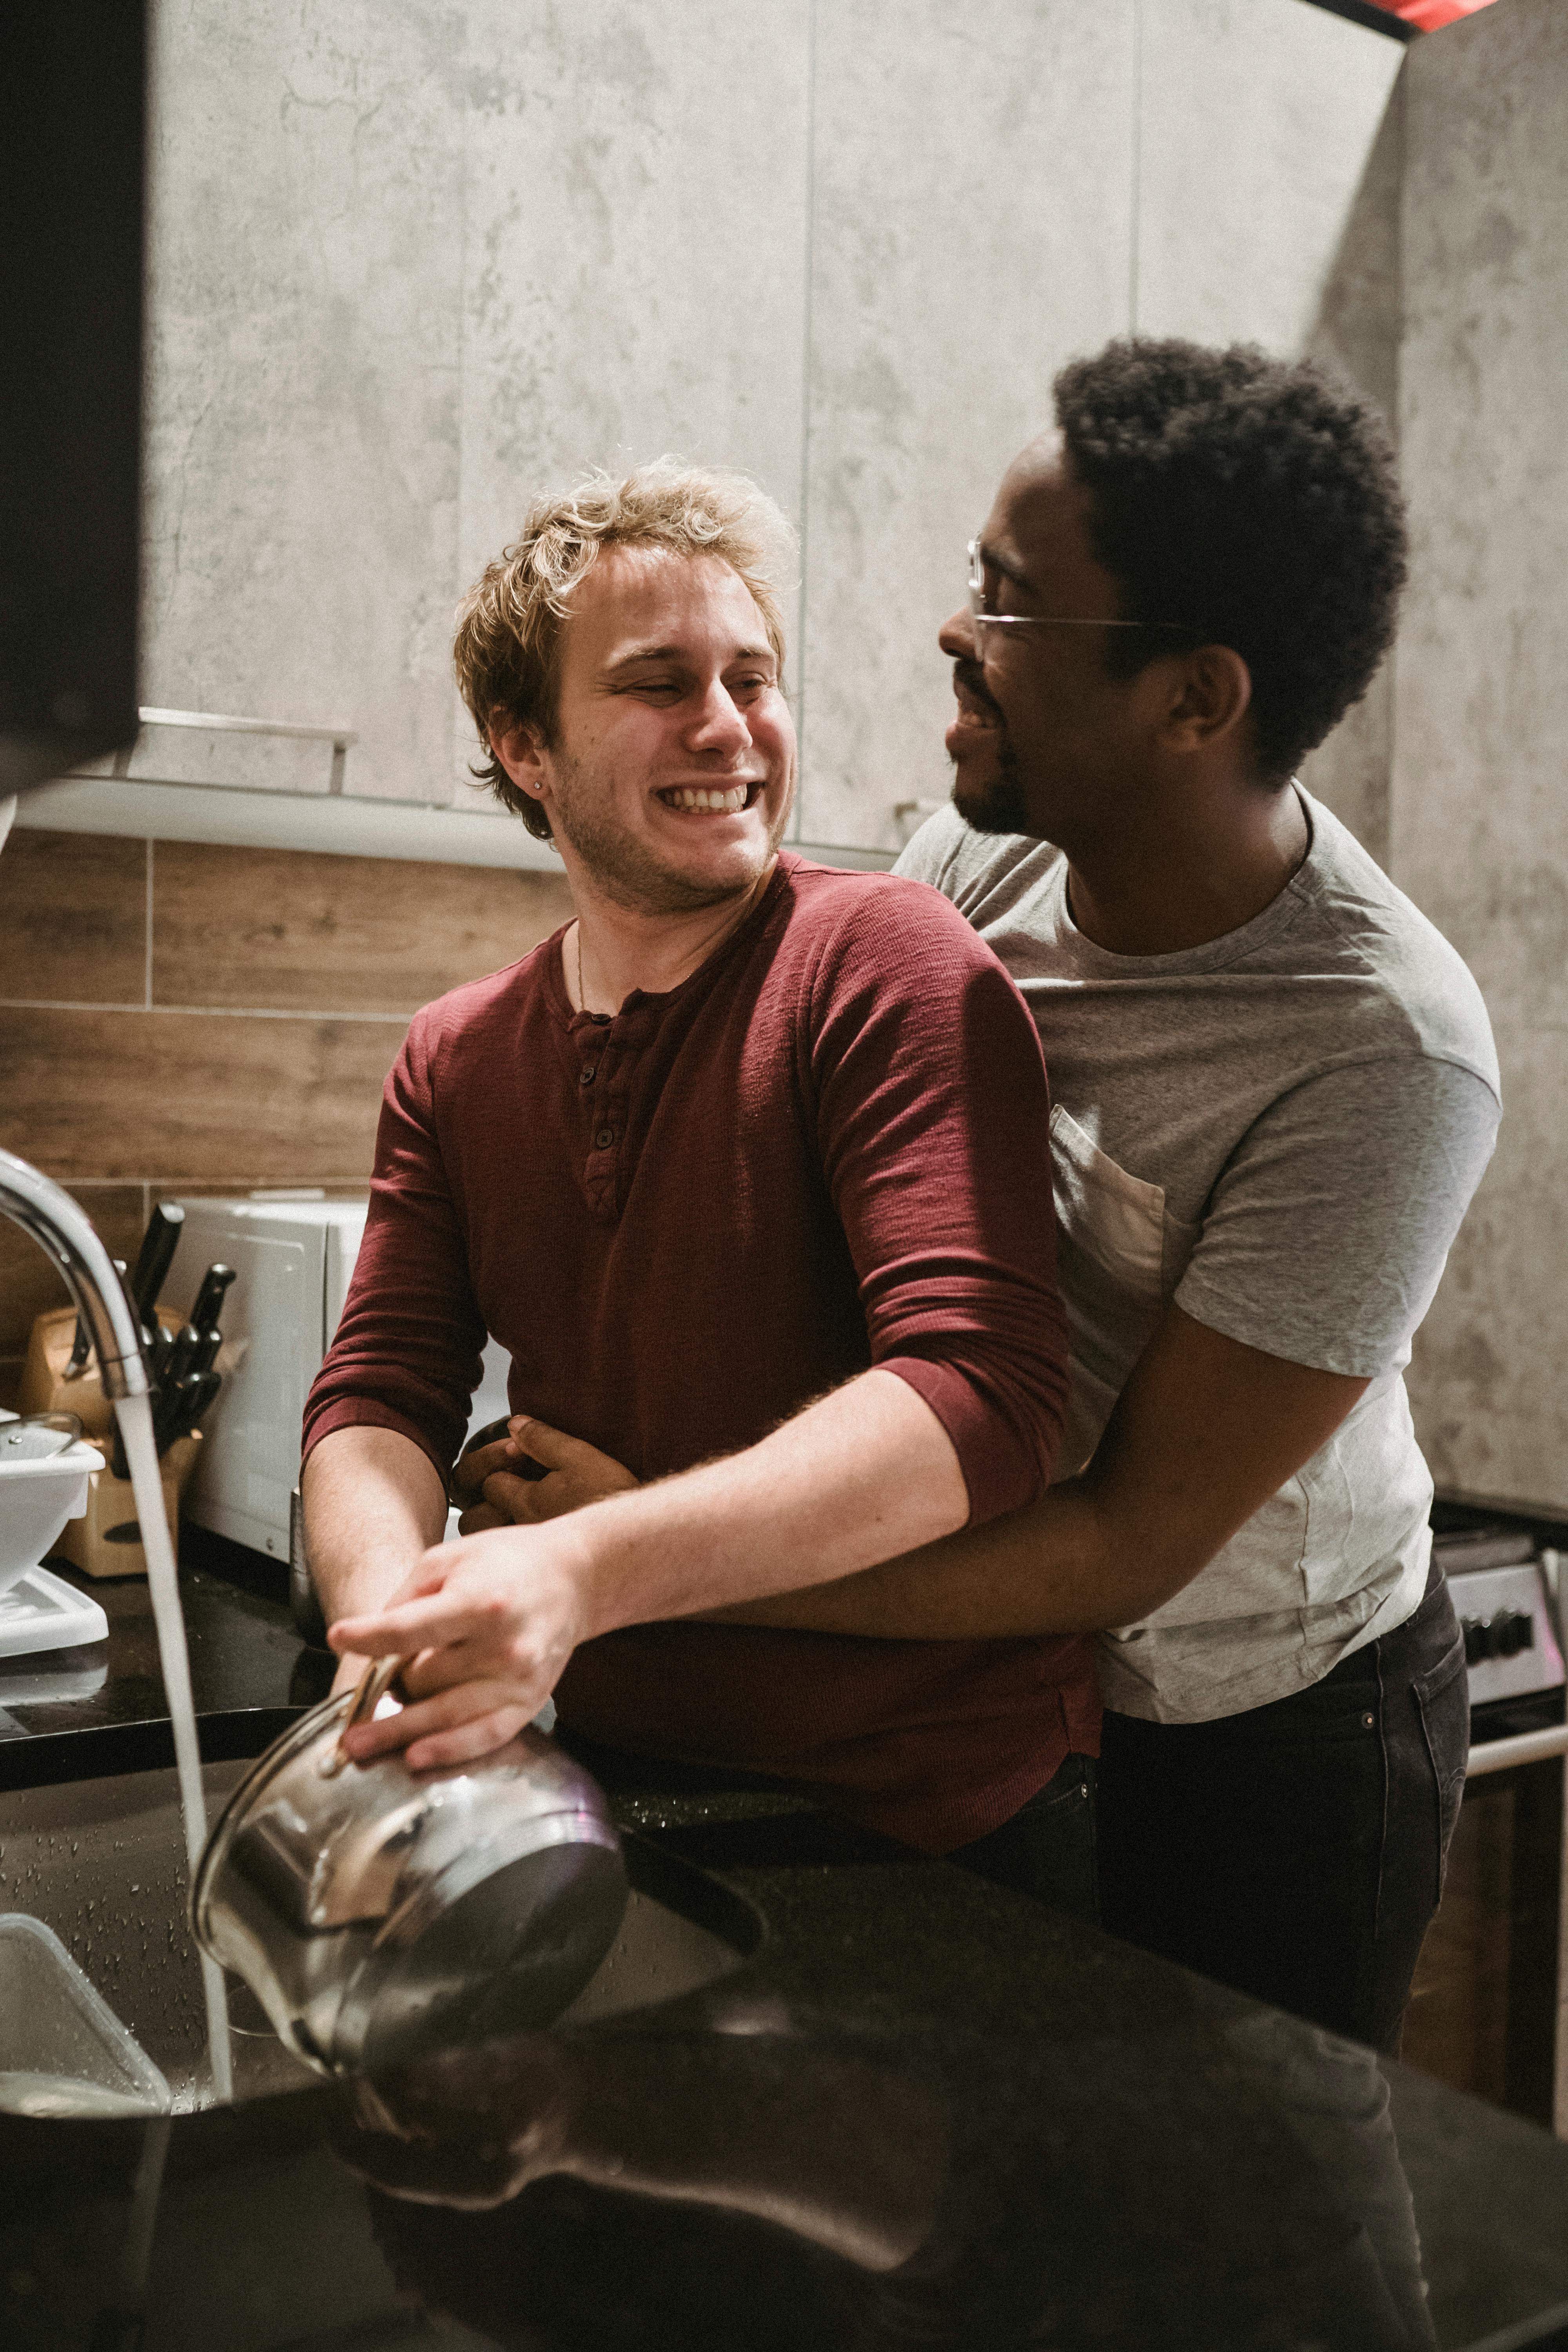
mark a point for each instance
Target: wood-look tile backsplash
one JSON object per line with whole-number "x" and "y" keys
{"x": 180, "y": 1018}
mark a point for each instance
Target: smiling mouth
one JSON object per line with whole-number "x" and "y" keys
{"x": 696, "y": 799}
{"x": 975, "y": 704}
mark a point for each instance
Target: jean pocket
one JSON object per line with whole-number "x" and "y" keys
{"x": 1072, "y": 1783}
{"x": 1442, "y": 1698}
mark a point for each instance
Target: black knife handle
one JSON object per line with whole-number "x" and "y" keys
{"x": 165, "y": 1417}
{"x": 210, "y": 1296}
{"x": 183, "y": 1353}
{"x": 187, "y": 1403}
{"x": 159, "y": 1243}
{"x": 171, "y": 1413}
{"x": 159, "y": 1345}
{"x": 204, "y": 1396}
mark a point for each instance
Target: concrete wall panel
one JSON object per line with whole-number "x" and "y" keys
{"x": 634, "y": 269}
{"x": 1485, "y": 1389}
{"x": 1356, "y": 333}
{"x": 970, "y": 229}
{"x": 1480, "y": 813}
{"x": 1254, "y": 127}
{"x": 305, "y": 340}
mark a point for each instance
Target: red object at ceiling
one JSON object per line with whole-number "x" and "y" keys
{"x": 1427, "y": 15}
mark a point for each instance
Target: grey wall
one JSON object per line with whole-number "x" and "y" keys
{"x": 408, "y": 263}
{"x": 411, "y": 262}
{"x": 1479, "y": 817}
{"x": 1356, "y": 331}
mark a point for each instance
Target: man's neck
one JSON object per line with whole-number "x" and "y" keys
{"x": 613, "y": 950}
{"x": 1161, "y": 887}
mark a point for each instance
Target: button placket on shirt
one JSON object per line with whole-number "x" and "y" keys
{"x": 602, "y": 1078}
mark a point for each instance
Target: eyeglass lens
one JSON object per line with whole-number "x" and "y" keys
{"x": 977, "y": 584}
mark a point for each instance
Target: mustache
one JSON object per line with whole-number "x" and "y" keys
{"x": 972, "y": 677}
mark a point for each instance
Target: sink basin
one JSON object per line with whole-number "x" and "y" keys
{"x": 102, "y": 1863}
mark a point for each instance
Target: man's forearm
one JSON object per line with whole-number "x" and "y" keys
{"x": 373, "y": 1505}
{"x": 1205, "y": 1431}
{"x": 1052, "y": 1568}
{"x": 867, "y": 1472}
{"x": 491, "y": 1622}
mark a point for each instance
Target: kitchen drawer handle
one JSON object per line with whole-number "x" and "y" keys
{"x": 1522, "y": 1747}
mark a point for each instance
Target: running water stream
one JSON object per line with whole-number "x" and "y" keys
{"x": 136, "y": 1417}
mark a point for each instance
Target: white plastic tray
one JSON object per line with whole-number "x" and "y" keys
{"x": 63, "y": 2052}
{"x": 42, "y": 1611}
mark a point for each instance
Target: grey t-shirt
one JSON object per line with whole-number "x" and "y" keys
{"x": 1281, "y": 1130}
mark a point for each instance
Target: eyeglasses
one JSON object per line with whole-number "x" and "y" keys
{"x": 982, "y": 619}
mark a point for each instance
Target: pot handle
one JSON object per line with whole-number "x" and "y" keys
{"x": 373, "y": 1684}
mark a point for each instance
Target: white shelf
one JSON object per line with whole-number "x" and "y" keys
{"x": 333, "y": 823}
{"x": 330, "y": 822}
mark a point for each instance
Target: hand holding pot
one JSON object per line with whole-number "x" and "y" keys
{"x": 489, "y": 1624}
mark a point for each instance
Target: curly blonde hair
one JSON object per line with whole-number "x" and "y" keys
{"x": 506, "y": 648}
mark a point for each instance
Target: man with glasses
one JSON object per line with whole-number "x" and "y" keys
{"x": 1274, "y": 1091}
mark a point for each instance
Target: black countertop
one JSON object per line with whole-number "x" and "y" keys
{"x": 922, "y": 2111}
{"x": 245, "y": 1655}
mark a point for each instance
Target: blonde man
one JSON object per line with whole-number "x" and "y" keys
{"x": 727, "y": 1166}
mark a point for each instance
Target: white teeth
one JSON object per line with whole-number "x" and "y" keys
{"x": 686, "y": 797}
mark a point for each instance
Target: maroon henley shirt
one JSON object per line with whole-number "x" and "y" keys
{"x": 827, "y": 1149}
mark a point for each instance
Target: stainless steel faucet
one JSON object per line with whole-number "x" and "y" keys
{"x": 65, "y": 1232}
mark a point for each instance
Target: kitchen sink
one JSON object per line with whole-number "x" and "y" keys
{"x": 101, "y": 1862}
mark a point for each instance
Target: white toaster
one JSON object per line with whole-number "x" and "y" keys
{"x": 293, "y": 1259}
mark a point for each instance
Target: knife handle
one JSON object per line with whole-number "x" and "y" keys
{"x": 188, "y": 1400}
{"x": 210, "y": 1296}
{"x": 169, "y": 1412}
{"x": 158, "y": 1345}
{"x": 165, "y": 1415}
{"x": 159, "y": 1243}
{"x": 184, "y": 1351}
{"x": 204, "y": 1395}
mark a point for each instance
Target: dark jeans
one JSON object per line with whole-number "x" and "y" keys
{"x": 1047, "y": 1850}
{"x": 1297, "y": 1852}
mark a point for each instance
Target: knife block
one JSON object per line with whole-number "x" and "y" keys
{"x": 45, "y": 1387}
{"x": 107, "y": 1541}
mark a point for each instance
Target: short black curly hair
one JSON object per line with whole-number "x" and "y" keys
{"x": 1254, "y": 501}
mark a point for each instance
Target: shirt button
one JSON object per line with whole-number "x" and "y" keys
{"x": 604, "y": 1139}
{"x": 586, "y": 1075}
